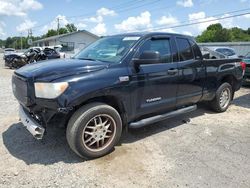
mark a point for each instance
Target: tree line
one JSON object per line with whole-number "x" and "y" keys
{"x": 22, "y": 42}
{"x": 216, "y": 33}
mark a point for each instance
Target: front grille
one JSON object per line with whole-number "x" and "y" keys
{"x": 20, "y": 89}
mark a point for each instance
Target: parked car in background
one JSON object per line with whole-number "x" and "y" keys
{"x": 37, "y": 48}
{"x": 51, "y": 53}
{"x": 227, "y": 52}
{"x": 119, "y": 82}
{"x": 8, "y": 51}
{"x": 58, "y": 48}
{"x": 246, "y": 59}
{"x": 33, "y": 54}
{"x": 29, "y": 56}
{"x": 208, "y": 53}
{"x": 9, "y": 57}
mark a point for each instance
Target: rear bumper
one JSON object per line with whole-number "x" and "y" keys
{"x": 246, "y": 82}
{"x": 246, "y": 78}
{"x": 30, "y": 124}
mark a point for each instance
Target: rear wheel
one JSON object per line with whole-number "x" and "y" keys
{"x": 94, "y": 130}
{"x": 223, "y": 97}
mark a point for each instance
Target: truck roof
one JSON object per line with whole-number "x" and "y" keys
{"x": 148, "y": 34}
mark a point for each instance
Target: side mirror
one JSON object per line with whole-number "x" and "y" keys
{"x": 148, "y": 57}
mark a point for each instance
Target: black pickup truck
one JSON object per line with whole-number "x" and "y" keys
{"x": 119, "y": 82}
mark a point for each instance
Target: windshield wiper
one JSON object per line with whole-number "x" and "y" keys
{"x": 90, "y": 59}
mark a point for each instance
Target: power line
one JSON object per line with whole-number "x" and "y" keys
{"x": 220, "y": 14}
{"x": 191, "y": 21}
{"x": 127, "y": 9}
{"x": 195, "y": 23}
{"x": 126, "y": 3}
{"x": 93, "y": 13}
{"x": 117, "y": 8}
{"x": 121, "y": 9}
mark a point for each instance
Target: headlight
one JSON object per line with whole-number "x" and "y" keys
{"x": 50, "y": 90}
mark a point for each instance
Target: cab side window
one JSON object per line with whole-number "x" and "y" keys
{"x": 185, "y": 50}
{"x": 160, "y": 45}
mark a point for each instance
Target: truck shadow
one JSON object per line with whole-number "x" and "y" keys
{"x": 242, "y": 101}
{"x": 54, "y": 148}
{"x": 182, "y": 120}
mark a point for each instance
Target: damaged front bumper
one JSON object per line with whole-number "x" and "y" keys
{"x": 31, "y": 125}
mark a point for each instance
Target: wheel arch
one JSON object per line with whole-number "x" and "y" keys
{"x": 109, "y": 100}
{"x": 231, "y": 80}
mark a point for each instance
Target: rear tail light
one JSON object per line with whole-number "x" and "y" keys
{"x": 243, "y": 66}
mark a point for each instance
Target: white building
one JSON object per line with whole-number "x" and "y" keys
{"x": 70, "y": 41}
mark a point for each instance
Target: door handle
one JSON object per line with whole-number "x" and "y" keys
{"x": 172, "y": 71}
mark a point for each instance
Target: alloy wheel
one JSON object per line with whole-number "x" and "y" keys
{"x": 99, "y": 132}
{"x": 225, "y": 98}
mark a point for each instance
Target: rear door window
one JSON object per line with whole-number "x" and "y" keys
{"x": 185, "y": 50}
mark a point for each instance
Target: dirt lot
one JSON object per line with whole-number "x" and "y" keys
{"x": 210, "y": 150}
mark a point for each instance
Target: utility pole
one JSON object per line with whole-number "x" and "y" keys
{"x": 21, "y": 41}
{"x": 58, "y": 25}
{"x": 29, "y": 32}
{"x": 30, "y": 37}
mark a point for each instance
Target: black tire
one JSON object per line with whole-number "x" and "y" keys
{"x": 216, "y": 104}
{"x": 79, "y": 122}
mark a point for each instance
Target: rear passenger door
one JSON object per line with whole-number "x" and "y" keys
{"x": 192, "y": 73}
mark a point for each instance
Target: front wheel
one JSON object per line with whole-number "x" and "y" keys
{"x": 94, "y": 130}
{"x": 223, "y": 97}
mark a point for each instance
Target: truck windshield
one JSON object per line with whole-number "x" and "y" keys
{"x": 108, "y": 49}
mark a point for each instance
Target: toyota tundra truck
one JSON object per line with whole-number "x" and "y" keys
{"x": 120, "y": 82}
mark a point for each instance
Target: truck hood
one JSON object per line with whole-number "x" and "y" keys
{"x": 54, "y": 69}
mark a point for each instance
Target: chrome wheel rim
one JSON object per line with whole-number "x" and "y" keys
{"x": 225, "y": 98}
{"x": 99, "y": 132}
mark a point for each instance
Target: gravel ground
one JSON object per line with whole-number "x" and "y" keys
{"x": 199, "y": 149}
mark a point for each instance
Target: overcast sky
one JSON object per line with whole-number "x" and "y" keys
{"x": 105, "y": 17}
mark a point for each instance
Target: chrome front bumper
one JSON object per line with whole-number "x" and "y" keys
{"x": 31, "y": 125}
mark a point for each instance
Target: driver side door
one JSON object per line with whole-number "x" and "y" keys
{"x": 156, "y": 84}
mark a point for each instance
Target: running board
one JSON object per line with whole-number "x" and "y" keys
{"x": 162, "y": 117}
